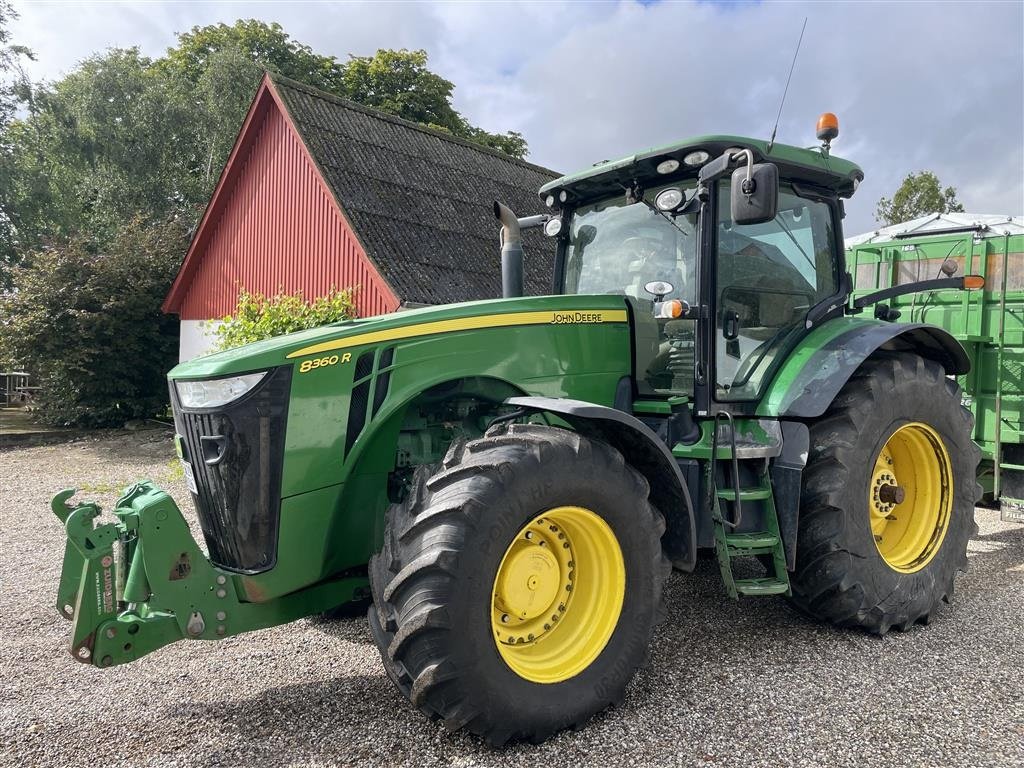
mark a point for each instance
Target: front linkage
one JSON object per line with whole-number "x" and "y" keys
{"x": 135, "y": 585}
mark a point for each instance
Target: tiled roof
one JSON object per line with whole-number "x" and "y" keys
{"x": 419, "y": 200}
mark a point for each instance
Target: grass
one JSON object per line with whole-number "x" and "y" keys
{"x": 103, "y": 486}
{"x": 175, "y": 472}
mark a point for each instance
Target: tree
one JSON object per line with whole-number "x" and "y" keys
{"x": 14, "y": 92}
{"x": 14, "y": 85}
{"x": 102, "y": 145}
{"x": 266, "y": 45}
{"x": 87, "y": 323}
{"x": 398, "y": 82}
{"x": 918, "y": 195}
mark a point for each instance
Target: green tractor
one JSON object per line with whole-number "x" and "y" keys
{"x": 509, "y": 483}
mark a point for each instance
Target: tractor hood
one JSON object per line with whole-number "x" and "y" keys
{"x": 428, "y": 321}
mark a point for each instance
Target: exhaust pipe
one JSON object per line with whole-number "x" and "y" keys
{"x": 511, "y": 252}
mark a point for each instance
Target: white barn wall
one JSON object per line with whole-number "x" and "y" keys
{"x": 197, "y": 338}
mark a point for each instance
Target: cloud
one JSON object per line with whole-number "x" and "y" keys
{"x": 939, "y": 87}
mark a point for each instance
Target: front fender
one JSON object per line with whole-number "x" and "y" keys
{"x": 826, "y": 358}
{"x": 644, "y": 452}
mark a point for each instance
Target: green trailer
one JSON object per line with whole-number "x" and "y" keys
{"x": 989, "y": 323}
{"x": 508, "y": 483}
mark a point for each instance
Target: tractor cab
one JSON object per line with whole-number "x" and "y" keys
{"x": 719, "y": 296}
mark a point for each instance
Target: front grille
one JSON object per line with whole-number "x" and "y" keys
{"x": 239, "y": 497}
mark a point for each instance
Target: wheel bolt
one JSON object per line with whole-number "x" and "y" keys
{"x": 529, "y": 534}
{"x": 504, "y": 618}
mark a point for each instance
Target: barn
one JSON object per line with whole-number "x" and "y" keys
{"x": 320, "y": 192}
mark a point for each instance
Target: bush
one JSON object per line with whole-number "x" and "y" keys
{"x": 259, "y": 317}
{"x": 87, "y": 323}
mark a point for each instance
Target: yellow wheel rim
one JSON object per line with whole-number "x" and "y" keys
{"x": 910, "y": 497}
{"x": 558, "y": 594}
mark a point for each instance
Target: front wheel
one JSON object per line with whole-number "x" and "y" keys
{"x": 888, "y": 498}
{"x": 518, "y": 586}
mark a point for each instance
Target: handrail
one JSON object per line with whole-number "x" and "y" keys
{"x": 735, "y": 469}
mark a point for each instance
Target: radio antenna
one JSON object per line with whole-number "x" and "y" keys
{"x": 771, "y": 141}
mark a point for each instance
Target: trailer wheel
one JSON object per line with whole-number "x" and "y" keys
{"x": 518, "y": 586}
{"x": 888, "y": 497}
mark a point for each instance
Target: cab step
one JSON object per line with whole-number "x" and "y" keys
{"x": 755, "y": 540}
{"x": 727, "y": 505}
{"x": 765, "y": 586}
{"x": 746, "y": 494}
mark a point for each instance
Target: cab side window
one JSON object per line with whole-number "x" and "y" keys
{"x": 768, "y": 276}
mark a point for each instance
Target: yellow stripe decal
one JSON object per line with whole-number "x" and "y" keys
{"x": 568, "y": 317}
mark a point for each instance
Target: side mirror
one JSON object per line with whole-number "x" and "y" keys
{"x": 585, "y": 236}
{"x": 755, "y": 200}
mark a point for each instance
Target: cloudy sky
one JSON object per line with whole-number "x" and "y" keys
{"x": 936, "y": 85}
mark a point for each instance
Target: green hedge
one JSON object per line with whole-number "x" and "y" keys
{"x": 86, "y": 322}
{"x": 259, "y": 317}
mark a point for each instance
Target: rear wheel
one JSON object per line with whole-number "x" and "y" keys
{"x": 888, "y": 498}
{"x": 518, "y": 586}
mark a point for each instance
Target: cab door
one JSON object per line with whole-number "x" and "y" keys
{"x": 767, "y": 278}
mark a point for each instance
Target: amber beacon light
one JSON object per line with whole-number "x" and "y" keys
{"x": 828, "y": 127}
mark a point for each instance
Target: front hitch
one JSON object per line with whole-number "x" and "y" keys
{"x": 137, "y": 584}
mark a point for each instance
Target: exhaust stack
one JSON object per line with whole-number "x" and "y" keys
{"x": 511, "y": 252}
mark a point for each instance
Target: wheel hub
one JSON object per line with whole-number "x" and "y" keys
{"x": 548, "y": 625}
{"x": 529, "y": 582}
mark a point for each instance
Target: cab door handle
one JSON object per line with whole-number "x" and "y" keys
{"x": 730, "y": 324}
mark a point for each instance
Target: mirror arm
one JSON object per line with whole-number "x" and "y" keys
{"x": 532, "y": 222}
{"x": 750, "y": 162}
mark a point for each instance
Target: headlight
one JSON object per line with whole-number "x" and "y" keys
{"x": 667, "y": 166}
{"x": 669, "y": 199}
{"x": 210, "y": 394}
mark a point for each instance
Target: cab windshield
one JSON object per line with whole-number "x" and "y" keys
{"x": 617, "y": 247}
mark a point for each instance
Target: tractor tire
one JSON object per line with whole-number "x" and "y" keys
{"x": 887, "y": 504}
{"x": 519, "y": 584}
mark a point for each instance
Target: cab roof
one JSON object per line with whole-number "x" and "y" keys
{"x": 810, "y": 166}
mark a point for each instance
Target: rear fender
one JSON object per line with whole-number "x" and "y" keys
{"x": 644, "y": 452}
{"x": 826, "y": 358}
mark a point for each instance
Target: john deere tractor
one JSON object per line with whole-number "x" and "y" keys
{"x": 510, "y": 482}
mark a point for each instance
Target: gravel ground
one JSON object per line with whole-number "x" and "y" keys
{"x": 731, "y": 683}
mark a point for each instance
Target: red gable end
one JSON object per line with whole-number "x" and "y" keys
{"x": 273, "y": 224}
